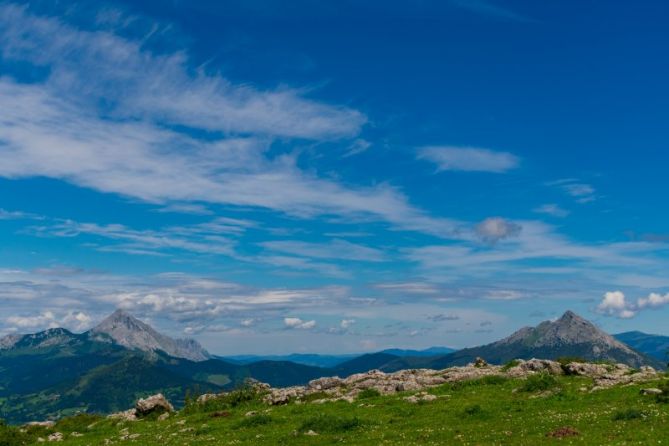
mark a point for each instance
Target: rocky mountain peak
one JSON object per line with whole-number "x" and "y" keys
{"x": 121, "y": 320}
{"x": 568, "y": 336}
{"x": 128, "y": 331}
{"x": 571, "y": 329}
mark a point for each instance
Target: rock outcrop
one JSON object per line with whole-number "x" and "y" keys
{"x": 155, "y": 404}
{"x": 418, "y": 380}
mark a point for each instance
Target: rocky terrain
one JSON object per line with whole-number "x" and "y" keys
{"x": 416, "y": 380}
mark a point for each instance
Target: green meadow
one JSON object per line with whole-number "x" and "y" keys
{"x": 488, "y": 411}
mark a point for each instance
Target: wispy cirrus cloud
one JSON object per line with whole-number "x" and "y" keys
{"x": 18, "y": 215}
{"x": 552, "y": 209}
{"x": 468, "y": 159}
{"x": 535, "y": 246}
{"x": 135, "y": 144}
{"x": 334, "y": 249}
{"x": 197, "y": 238}
{"x": 580, "y": 191}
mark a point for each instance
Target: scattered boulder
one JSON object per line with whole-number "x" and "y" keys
{"x": 421, "y": 397}
{"x": 56, "y": 436}
{"x": 46, "y": 424}
{"x": 325, "y": 383}
{"x": 523, "y": 368}
{"x": 126, "y": 415}
{"x": 206, "y": 397}
{"x": 652, "y": 391}
{"x": 153, "y": 404}
{"x": 277, "y": 397}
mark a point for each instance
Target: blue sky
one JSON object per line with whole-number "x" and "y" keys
{"x": 272, "y": 177}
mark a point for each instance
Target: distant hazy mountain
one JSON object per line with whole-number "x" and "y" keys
{"x": 432, "y": 351}
{"x": 332, "y": 361}
{"x": 571, "y": 335}
{"x": 656, "y": 346}
{"x": 313, "y": 360}
{"x": 132, "y": 333}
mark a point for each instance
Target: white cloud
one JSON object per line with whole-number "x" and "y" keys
{"x": 17, "y": 215}
{"x": 581, "y": 192}
{"x": 201, "y": 238}
{"x": 654, "y": 300}
{"x": 346, "y": 323}
{"x": 592, "y": 264}
{"x": 468, "y": 159}
{"x": 409, "y": 287}
{"x": 185, "y": 208}
{"x": 57, "y": 129}
{"x": 74, "y": 320}
{"x": 552, "y": 209}
{"x": 614, "y": 303}
{"x": 494, "y": 229}
{"x": 505, "y": 295}
{"x": 161, "y": 87}
{"x": 247, "y": 322}
{"x": 358, "y": 146}
{"x": 299, "y": 263}
{"x": 294, "y": 322}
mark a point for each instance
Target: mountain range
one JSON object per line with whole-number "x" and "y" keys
{"x": 108, "y": 367}
{"x": 332, "y": 361}
{"x": 653, "y": 345}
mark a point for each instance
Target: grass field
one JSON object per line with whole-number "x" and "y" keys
{"x": 490, "y": 411}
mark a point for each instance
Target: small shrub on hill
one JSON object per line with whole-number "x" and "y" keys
{"x": 539, "y": 383}
{"x": 664, "y": 396}
{"x": 628, "y": 414}
{"x": 330, "y": 424}
{"x": 11, "y": 436}
{"x": 566, "y": 360}
{"x": 473, "y": 410}
{"x": 77, "y": 423}
{"x": 509, "y": 365}
{"x": 314, "y": 396}
{"x": 490, "y": 380}
{"x": 369, "y": 393}
{"x": 254, "y": 421}
{"x": 245, "y": 394}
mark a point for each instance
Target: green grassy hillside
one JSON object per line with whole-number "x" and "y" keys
{"x": 492, "y": 410}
